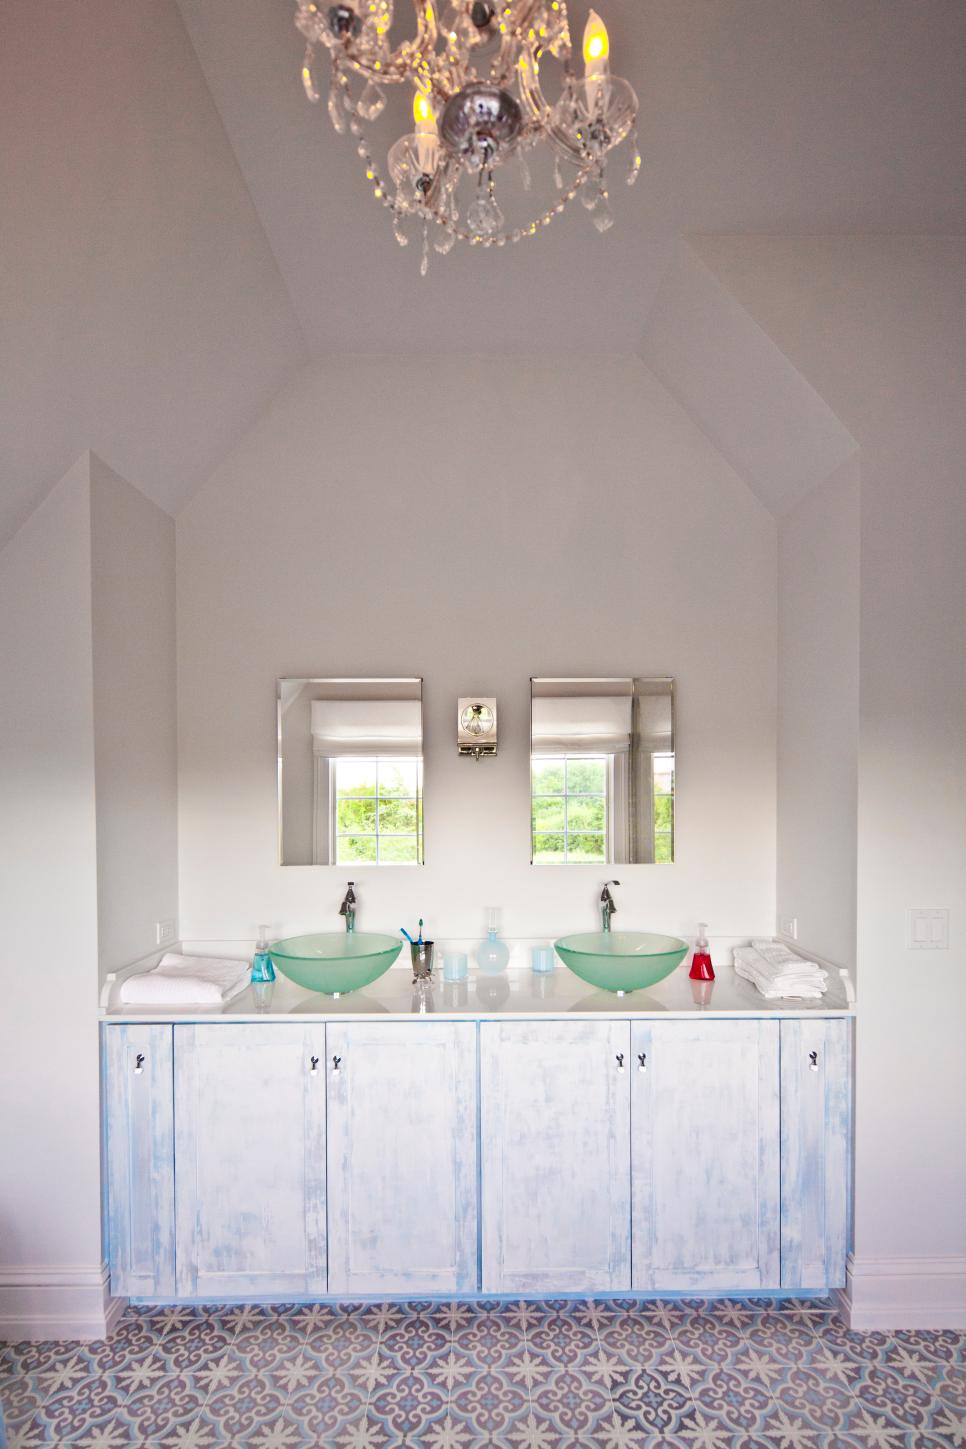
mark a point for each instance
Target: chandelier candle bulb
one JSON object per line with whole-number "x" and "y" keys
{"x": 596, "y": 58}
{"x": 426, "y": 133}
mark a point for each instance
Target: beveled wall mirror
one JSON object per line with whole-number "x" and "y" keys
{"x": 350, "y": 771}
{"x": 602, "y": 771}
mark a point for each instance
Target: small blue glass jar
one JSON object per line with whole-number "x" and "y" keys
{"x": 455, "y": 966}
{"x": 541, "y": 960}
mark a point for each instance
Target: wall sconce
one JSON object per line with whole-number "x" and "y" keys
{"x": 476, "y": 727}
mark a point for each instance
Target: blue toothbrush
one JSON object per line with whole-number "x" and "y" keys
{"x": 407, "y": 935}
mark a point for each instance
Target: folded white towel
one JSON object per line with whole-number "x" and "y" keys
{"x": 789, "y": 977}
{"x": 187, "y": 981}
{"x": 778, "y": 955}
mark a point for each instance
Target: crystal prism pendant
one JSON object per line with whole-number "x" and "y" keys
{"x": 602, "y": 216}
{"x": 308, "y": 75}
{"x": 336, "y": 113}
{"x": 444, "y": 241}
{"x": 484, "y": 217}
{"x": 371, "y": 103}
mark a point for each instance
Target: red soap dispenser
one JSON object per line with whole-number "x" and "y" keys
{"x": 701, "y": 967}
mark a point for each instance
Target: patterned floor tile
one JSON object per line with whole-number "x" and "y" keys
{"x": 408, "y": 1404}
{"x": 819, "y": 1402}
{"x": 572, "y": 1403}
{"x": 651, "y": 1404}
{"x": 554, "y": 1374}
{"x": 93, "y": 1404}
{"x": 170, "y": 1403}
{"x": 190, "y": 1347}
{"x": 325, "y": 1407}
{"x": 490, "y": 1402}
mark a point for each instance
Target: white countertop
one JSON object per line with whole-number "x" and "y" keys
{"x": 517, "y": 993}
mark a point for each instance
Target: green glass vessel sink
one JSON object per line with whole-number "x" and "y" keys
{"x": 621, "y": 960}
{"x": 335, "y": 962}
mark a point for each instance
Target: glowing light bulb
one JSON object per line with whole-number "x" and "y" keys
{"x": 596, "y": 51}
{"x": 426, "y": 133}
{"x": 596, "y": 42}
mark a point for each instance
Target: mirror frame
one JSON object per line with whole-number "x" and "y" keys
{"x": 667, "y": 679}
{"x": 416, "y": 679}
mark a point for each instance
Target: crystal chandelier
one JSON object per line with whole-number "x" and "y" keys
{"x": 478, "y": 104}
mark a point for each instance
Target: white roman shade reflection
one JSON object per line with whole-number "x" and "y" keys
{"x": 383, "y": 727}
{"x": 588, "y": 724}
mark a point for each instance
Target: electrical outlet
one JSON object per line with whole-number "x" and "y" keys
{"x": 788, "y": 927}
{"x": 164, "y": 931}
{"x": 927, "y": 930}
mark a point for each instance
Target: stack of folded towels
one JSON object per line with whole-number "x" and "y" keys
{"x": 187, "y": 981}
{"x": 778, "y": 972}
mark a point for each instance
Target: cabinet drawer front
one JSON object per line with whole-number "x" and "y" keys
{"x": 250, "y": 1152}
{"x": 140, "y": 1160}
{"x": 402, "y": 1157}
{"x": 705, "y": 1134}
{"x": 816, "y": 1159}
{"x": 555, "y": 1153}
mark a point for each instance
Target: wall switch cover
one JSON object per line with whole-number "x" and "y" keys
{"x": 165, "y": 932}
{"x": 788, "y": 927}
{"x": 927, "y": 930}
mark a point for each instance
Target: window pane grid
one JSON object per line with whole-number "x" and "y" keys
{"x": 663, "y": 797}
{"x": 569, "y": 814}
{"x": 378, "y": 820}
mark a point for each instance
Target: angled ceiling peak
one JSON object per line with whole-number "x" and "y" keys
{"x": 739, "y": 387}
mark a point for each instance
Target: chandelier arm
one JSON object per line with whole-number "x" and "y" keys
{"x": 541, "y": 111}
{"x": 410, "y": 58}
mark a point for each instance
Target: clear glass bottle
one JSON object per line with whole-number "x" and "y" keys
{"x": 262, "y": 968}
{"x": 493, "y": 954}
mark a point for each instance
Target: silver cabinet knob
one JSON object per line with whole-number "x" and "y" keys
{"x": 139, "y": 1064}
{"x": 642, "y": 1061}
{"x": 313, "y": 1066}
{"x": 336, "y": 1064}
{"x": 813, "y": 1061}
{"x": 620, "y": 1061}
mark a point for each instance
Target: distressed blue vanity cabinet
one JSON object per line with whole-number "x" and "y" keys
{"x": 138, "y": 1081}
{"x": 402, "y": 1158}
{"x": 280, "y": 1159}
{"x": 556, "y": 1153}
{"x": 705, "y": 1155}
{"x": 249, "y": 1152}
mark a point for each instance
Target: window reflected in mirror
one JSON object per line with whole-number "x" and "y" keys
{"x": 602, "y": 771}
{"x": 350, "y": 772}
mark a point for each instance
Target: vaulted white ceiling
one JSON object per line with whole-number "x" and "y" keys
{"x": 181, "y": 228}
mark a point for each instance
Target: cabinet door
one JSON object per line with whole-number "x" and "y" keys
{"x": 402, "y": 1157}
{"x": 140, "y": 1160}
{"x": 705, "y": 1155}
{"x": 250, "y": 1159}
{"x": 555, "y": 1152}
{"x": 816, "y": 1152}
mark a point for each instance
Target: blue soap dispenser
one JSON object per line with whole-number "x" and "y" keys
{"x": 262, "y": 968}
{"x": 493, "y": 954}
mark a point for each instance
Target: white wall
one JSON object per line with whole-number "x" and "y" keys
{"x": 476, "y": 523}
{"x": 878, "y": 324}
{"x": 818, "y": 714}
{"x": 49, "y": 1125}
{"x": 135, "y": 745}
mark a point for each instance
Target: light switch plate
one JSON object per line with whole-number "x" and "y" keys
{"x": 788, "y": 927}
{"x": 164, "y": 932}
{"x": 927, "y": 930}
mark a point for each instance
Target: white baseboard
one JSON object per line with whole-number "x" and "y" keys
{"x": 52, "y": 1303}
{"x": 891, "y": 1293}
